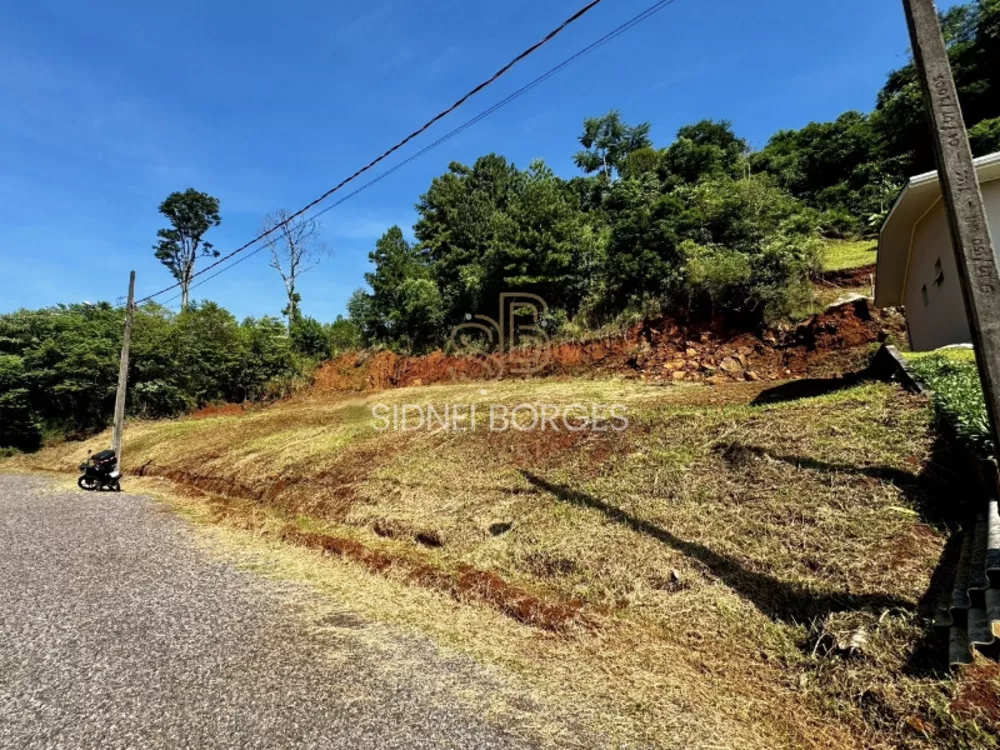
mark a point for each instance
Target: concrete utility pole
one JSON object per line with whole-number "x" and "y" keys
{"x": 970, "y": 230}
{"x": 116, "y": 439}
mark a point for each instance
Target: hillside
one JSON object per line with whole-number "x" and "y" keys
{"x": 834, "y": 342}
{"x": 691, "y": 580}
{"x": 603, "y": 457}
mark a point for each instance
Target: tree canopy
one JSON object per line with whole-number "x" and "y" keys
{"x": 608, "y": 142}
{"x": 59, "y": 366}
{"x": 191, "y": 215}
{"x": 662, "y": 226}
{"x": 700, "y": 226}
{"x": 703, "y": 225}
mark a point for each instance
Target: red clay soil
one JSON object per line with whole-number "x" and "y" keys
{"x": 977, "y": 695}
{"x": 828, "y": 344}
{"x": 850, "y": 276}
{"x": 328, "y": 494}
{"x": 465, "y": 583}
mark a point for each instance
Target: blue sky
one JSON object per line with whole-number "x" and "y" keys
{"x": 110, "y": 106}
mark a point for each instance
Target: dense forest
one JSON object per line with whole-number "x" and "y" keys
{"x": 59, "y": 367}
{"x": 704, "y": 225}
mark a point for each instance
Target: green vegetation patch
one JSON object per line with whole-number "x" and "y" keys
{"x": 958, "y": 394}
{"x": 841, "y": 255}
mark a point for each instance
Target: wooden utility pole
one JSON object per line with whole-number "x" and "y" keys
{"x": 116, "y": 435}
{"x": 970, "y": 230}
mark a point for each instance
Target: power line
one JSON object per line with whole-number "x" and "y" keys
{"x": 444, "y": 113}
{"x": 610, "y": 36}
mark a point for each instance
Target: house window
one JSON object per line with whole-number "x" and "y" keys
{"x": 938, "y": 273}
{"x": 923, "y": 293}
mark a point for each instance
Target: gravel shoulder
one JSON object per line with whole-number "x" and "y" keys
{"x": 117, "y": 631}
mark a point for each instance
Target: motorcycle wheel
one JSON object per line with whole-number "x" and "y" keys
{"x": 87, "y": 483}
{"x": 116, "y": 486}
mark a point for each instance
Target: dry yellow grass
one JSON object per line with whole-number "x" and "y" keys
{"x": 719, "y": 549}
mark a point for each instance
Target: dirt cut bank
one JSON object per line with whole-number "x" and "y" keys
{"x": 831, "y": 343}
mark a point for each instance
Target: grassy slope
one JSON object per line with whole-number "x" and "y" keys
{"x": 710, "y": 546}
{"x": 840, "y": 255}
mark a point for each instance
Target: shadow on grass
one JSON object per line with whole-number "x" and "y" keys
{"x": 807, "y": 388}
{"x": 929, "y": 657}
{"x": 776, "y": 599}
{"x": 939, "y": 493}
{"x": 931, "y": 492}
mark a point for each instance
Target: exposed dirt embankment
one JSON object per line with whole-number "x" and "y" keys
{"x": 664, "y": 350}
{"x": 847, "y": 277}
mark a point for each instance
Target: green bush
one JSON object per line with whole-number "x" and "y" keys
{"x": 958, "y": 394}
{"x": 343, "y": 336}
{"x": 716, "y": 273}
{"x": 59, "y": 367}
{"x": 839, "y": 223}
{"x": 984, "y": 137}
{"x": 763, "y": 247}
{"x": 310, "y": 338}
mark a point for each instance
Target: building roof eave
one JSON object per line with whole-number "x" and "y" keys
{"x": 916, "y": 198}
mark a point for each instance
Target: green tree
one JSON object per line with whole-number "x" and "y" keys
{"x": 365, "y": 319}
{"x": 608, "y": 141}
{"x": 547, "y": 248}
{"x": 830, "y": 166}
{"x": 464, "y": 223}
{"x": 19, "y": 424}
{"x": 417, "y": 321}
{"x": 191, "y": 215}
{"x": 404, "y": 308}
{"x": 310, "y": 338}
{"x": 960, "y": 24}
{"x": 706, "y": 149}
{"x": 854, "y": 166}
{"x": 265, "y": 366}
{"x": 643, "y": 258}
{"x": 974, "y": 51}
{"x": 343, "y": 335}
{"x": 157, "y": 388}
{"x": 749, "y": 249}
{"x": 642, "y": 162}
{"x": 985, "y": 137}
{"x": 395, "y": 260}
{"x": 71, "y": 371}
{"x": 59, "y": 367}
{"x": 206, "y": 348}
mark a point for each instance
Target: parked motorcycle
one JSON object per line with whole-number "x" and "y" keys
{"x": 100, "y": 471}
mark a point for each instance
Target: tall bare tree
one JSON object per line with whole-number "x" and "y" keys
{"x": 296, "y": 248}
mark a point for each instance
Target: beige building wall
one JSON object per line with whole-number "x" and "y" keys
{"x": 935, "y": 313}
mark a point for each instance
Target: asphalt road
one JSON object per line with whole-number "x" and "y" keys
{"x": 117, "y": 631}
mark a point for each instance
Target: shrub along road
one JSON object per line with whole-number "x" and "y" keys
{"x": 117, "y": 631}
